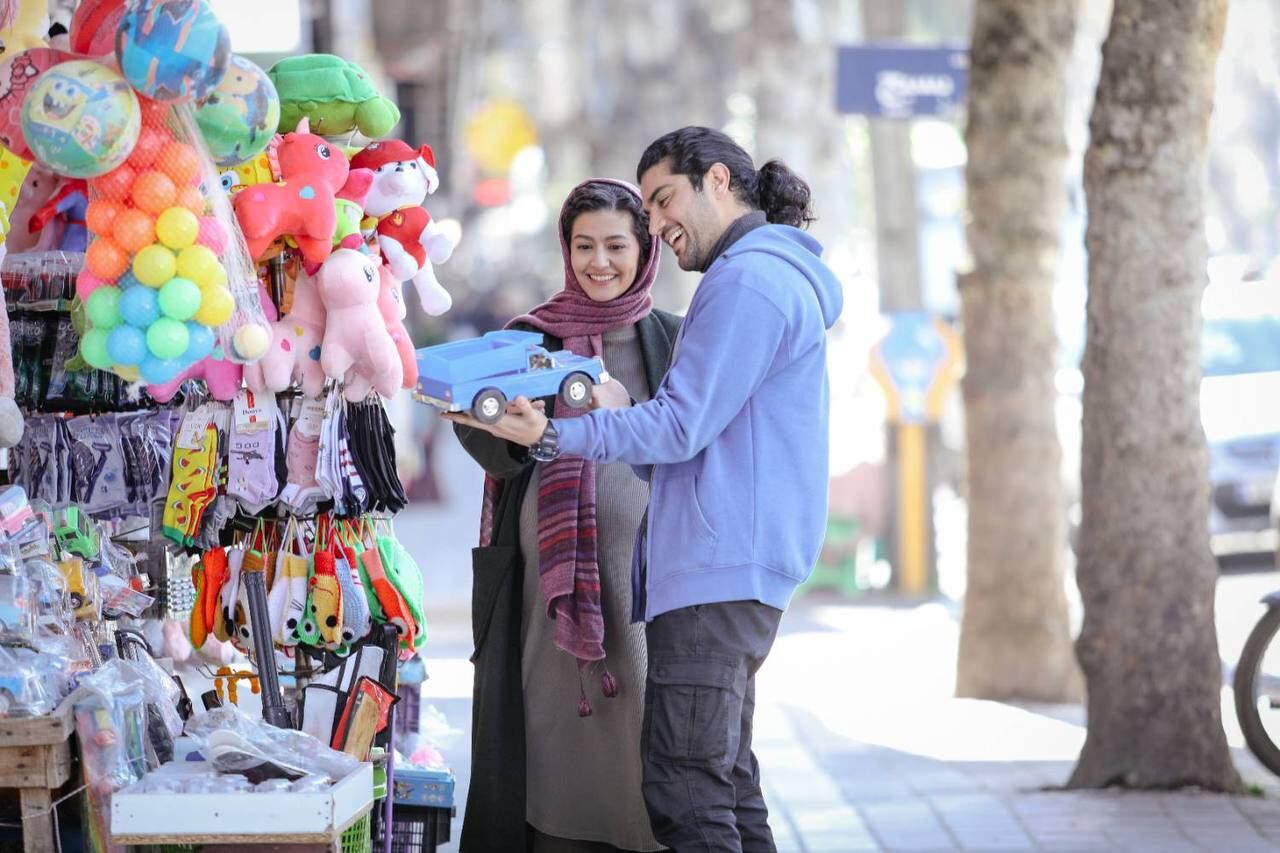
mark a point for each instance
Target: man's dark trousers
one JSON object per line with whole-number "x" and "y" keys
{"x": 701, "y": 780}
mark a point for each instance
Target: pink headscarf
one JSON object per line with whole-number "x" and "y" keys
{"x": 578, "y": 320}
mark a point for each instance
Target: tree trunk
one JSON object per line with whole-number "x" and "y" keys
{"x": 1148, "y": 647}
{"x": 1015, "y": 640}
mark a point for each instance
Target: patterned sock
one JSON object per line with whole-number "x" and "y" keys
{"x": 193, "y": 476}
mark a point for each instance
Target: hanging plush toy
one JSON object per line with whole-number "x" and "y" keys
{"x": 294, "y": 353}
{"x": 311, "y": 172}
{"x": 408, "y": 239}
{"x": 357, "y": 347}
{"x": 337, "y": 97}
{"x": 391, "y": 307}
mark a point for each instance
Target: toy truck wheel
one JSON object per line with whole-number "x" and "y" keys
{"x": 575, "y": 390}
{"x": 489, "y": 406}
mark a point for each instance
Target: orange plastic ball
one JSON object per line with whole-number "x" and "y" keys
{"x": 100, "y": 214}
{"x": 116, "y": 183}
{"x": 151, "y": 140}
{"x": 192, "y": 199}
{"x": 105, "y": 259}
{"x": 180, "y": 162}
{"x": 153, "y": 192}
{"x": 133, "y": 230}
{"x": 154, "y": 113}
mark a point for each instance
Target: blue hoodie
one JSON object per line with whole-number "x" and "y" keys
{"x": 736, "y": 432}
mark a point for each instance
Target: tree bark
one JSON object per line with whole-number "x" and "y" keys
{"x": 1148, "y": 647}
{"x": 1015, "y": 640}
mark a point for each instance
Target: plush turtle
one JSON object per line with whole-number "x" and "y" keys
{"x": 336, "y": 95}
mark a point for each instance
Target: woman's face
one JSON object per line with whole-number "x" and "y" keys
{"x": 604, "y": 253}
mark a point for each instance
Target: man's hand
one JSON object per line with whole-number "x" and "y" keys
{"x": 523, "y": 423}
{"x": 611, "y": 395}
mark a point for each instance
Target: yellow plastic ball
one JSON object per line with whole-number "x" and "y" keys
{"x": 251, "y": 341}
{"x": 216, "y": 306}
{"x": 201, "y": 265}
{"x": 177, "y": 228}
{"x": 154, "y": 265}
{"x": 127, "y": 373}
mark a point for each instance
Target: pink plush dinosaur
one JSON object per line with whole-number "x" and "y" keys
{"x": 392, "y": 308}
{"x": 294, "y": 353}
{"x": 357, "y": 346}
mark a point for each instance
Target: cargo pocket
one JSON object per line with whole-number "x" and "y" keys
{"x": 492, "y": 568}
{"x": 693, "y": 710}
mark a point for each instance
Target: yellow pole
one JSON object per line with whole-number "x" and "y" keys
{"x": 912, "y": 515}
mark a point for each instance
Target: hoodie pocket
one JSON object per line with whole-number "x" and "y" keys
{"x": 679, "y": 519}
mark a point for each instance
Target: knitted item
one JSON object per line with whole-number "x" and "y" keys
{"x": 199, "y": 628}
{"x": 231, "y": 589}
{"x": 355, "y": 610}
{"x": 325, "y": 605}
{"x": 278, "y": 597}
{"x": 295, "y": 580}
{"x": 215, "y": 576}
{"x": 404, "y": 574}
{"x": 394, "y": 611}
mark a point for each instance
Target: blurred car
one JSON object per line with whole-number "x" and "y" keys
{"x": 1240, "y": 410}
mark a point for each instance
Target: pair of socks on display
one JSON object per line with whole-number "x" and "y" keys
{"x": 256, "y": 428}
{"x": 194, "y": 483}
{"x": 302, "y": 492}
{"x": 371, "y": 440}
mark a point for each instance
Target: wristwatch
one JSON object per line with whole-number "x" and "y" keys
{"x": 547, "y": 447}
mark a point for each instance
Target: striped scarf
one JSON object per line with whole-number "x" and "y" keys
{"x": 568, "y": 568}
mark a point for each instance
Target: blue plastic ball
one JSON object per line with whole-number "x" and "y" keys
{"x": 139, "y": 306}
{"x": 173, "y": 50}
{"x": 157, "y": 371}
{"x": 127, "y": 345}
{"x": 200, "y": 342}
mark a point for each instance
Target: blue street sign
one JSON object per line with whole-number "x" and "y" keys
{"x": 898, "y": 81}
{"x": 916, "y": 364}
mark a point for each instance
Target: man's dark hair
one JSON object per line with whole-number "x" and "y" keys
{"x": 599, "y": 195}
{"x": 691, "y": 151}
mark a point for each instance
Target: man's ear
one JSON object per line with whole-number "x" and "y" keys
{"x": 717, "y": 179}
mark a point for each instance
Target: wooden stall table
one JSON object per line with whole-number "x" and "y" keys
{"x": 35, "y": 758}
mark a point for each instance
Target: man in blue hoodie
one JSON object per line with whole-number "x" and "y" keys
{"x": 734, "y": 443}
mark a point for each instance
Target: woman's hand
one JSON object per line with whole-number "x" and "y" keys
{"x": 523, "y": 423}
{"x": 611, "y": 395}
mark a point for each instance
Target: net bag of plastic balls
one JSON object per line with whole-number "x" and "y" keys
{"x": 167, "y": 281}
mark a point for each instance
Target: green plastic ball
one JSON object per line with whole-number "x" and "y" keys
{"x": 180, "y": 299}
{"x": 93, "y": 346}
{"x": 167, "y": 338}
{"x": 103, "y": 308}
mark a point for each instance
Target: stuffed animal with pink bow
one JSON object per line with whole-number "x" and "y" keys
{"x": 409, "y": 240}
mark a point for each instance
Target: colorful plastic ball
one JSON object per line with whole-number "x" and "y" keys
{"x": 151, "y": 140}
{"x": 93, "y": 346}
{"x": 157, "y": 371}
{"x": 173, "y": 50}
{"x": 87, "y": 283}
{"x": 178, "y": 227}
{"x": 193, "y": 200}
{"x": 251, "y": 341}
{"x": 126, "y": 345}
{"x": 212, "y": 234}
{"x": 199, "y": 264}
{"x": 100, "y": 214}
{"x": 240, "y": 117}
{"x": 179, "y": 299}
{"x": 133, "y": 230}
{"x": 81, "y": 119}
{"x": 216, "y": 306}
{"x": 200, "y": 342}
{"x": 154, "y": 265}
{"x": 116, "y": 183}
{"x": 180, "y": 162}
{"x": 103, "y": 308}
{"x": 105, "y": 260}
{"x": 154, "y": 113}
{"x": 153, "y": 191}
{"x": 139, "y": 306}
{"x": 167, "y": 338}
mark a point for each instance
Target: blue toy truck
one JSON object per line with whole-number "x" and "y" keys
{"x": 481, "y": 374}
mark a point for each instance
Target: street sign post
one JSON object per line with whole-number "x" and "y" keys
{"x": 901, "y": 81}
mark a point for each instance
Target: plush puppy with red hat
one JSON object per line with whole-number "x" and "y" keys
{"x": 410, "y": 242}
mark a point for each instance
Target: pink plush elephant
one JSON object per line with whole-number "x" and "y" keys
{"x": 392, "y": 308}
{"x": 294, "y": 353}
{"x": 357, "y": 345}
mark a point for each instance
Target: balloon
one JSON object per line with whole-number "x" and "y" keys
{"x": 178, "y": 227}
{"x": 154, "y": 265}
{"x": 150, "y": 140}
{"x": 100, "y": 214}
{"x": 157, "y": 371}
{"x": 105, "y": 259}
{"x": 180, "y": 162}
{"x": 192, "y": 199}
{"x": 103, "y": 308}
{"x": 81, "y": 119}
{"x": 199, "y": 264}
{"x": 153, "y": 192}
{"x": 216, "y": 306}
{"x": 116, "y": 183}
{"x": 200, "y": 342}
{"x": 173, "y": 50}
{"x": 167, "y": 338}
{"x": 212, "y": 234}
{"x": 240, "y": 117}
{"x": 133, "y": 230}
{"x": 139, "y": 306}
{"x": 93, "y": 346}
{"x": 179, "y": 299}
{"x": 126, "y": 345}
{"x": 251, "y": 341}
